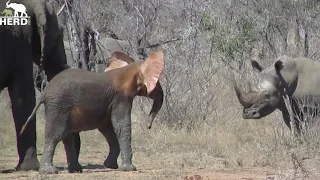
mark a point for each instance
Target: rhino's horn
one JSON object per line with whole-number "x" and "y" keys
{"x": 242, "y": 95}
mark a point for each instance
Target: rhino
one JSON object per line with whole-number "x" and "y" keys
{"x": 106, "y": 46}
{"x": 295, "y": 78}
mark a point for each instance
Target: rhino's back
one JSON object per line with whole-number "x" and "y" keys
{"x": 308, "y": 87}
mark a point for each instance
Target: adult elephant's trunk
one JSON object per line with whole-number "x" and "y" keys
{"x": 243, "y": 97}
{"x": 7, "y": 4}
{"x": 157, "y": 96}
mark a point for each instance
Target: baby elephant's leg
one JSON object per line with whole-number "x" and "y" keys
{"x": 72, "y": 156}
{"x": 121, "y": 122}
{"x": 77, "y": 143}
{"x": 46, "y": 164}
{"x": 55, "y": 131}
{"x": 114, "y": 148}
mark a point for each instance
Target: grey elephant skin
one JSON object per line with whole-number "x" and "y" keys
{"x": 299, "y": 78}
{"x": 20, "y": 47}
{"x": 78, "y": 100}
{"x": 112, "y": 47}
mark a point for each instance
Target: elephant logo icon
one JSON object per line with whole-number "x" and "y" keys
{"x": 14, "y": 14}
{"x": 6, "y": 12}
{"x": 18, "y": 8}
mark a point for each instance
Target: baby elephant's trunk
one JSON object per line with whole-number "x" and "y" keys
{"x": 157, "y": 96}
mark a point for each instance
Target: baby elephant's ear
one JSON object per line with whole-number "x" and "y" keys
{"x": 151, "y": 69}
{"x": 122, "y": 56}
{"x": 115, "y": 63}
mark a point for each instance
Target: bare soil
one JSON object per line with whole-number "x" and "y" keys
{"x": 230, "y": 148}
{"x": 95, "y": 170}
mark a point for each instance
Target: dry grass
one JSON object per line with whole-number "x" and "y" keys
{"x": 227, "y": 147}
{"x": 224, "y": 146}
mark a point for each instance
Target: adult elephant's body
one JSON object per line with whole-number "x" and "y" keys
{"x": 20, "y": 46}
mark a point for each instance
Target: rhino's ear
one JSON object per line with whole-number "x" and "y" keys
{"x": 256, "y": 66}
{"x": 278, "y": 65}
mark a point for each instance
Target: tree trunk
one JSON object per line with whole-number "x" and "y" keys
{"x": 74, "y": 31}
{"x": 297, "y": 39}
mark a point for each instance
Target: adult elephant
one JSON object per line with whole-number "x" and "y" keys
{"x": 20, "y": 46}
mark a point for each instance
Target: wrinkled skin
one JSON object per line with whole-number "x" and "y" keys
{"x": 78, "y": 100}
{"x": 111, "y": 47}
{"x": 20, "y": 47}
{"x": 156, "y": 95}
{"x": 299, "y": 78}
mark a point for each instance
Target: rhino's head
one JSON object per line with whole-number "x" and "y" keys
{"x": 263, "y": 98}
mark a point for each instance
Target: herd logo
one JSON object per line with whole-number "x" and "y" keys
{"x": 7, "y": 17}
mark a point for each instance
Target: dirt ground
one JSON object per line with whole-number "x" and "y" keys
{"x": 157, "y": 159}
{"x": 244, "y": 150}
{"x": 95, "y": 170}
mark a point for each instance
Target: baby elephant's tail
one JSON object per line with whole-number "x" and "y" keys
{"x": 41, "y": 100}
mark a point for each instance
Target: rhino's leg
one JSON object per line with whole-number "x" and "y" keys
{"x": 298, "y": 117}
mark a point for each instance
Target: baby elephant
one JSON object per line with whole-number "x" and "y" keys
{"x": 78, "y": 100}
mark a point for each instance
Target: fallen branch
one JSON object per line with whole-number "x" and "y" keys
{"x": 165, "y": 42}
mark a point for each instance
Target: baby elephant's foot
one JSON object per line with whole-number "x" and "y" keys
{"x": 109, "y": 163}
{"x": 48, "y": 169}
{"x": 128, "y": 167}
{"x": 74, "y": 167}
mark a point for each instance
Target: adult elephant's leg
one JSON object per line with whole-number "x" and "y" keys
{"x": 2, "y": 85}
{"x": 22, "y": 97}
{"x": 114, "y": 148}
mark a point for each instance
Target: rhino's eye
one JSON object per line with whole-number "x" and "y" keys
{"x": 265, "y": 98}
